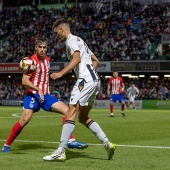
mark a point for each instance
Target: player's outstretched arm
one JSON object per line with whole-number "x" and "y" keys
{"x": 73, "y": 63}
{"x": 95, "y": 61}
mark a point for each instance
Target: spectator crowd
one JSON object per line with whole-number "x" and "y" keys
{"x": 158, "y": 89}
{"x": 127, "y": 33}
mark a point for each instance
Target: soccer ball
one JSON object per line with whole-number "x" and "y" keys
{"x": 28, "y": 65}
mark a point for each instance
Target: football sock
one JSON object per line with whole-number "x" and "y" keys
{"x": 111, "y": 108}
{"x": 72, "y": 137}
{"x": 95, "y": 128}
{"x": 15, "y": 131}
{"x": 67, "y": 130}
{"x": 122, "y": 107}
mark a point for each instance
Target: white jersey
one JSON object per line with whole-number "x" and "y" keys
{"x": 132, "y": 91}
{"x": 84, "y": 70}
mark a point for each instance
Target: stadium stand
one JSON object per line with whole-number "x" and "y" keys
{"x": 157, "y": 89}
{"x": 129, "y": 33}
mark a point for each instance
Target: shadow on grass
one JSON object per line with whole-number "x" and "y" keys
{"x": 80, "y": 154}
{"x": 70, "y": 153}
{"x": 18, "y": 149}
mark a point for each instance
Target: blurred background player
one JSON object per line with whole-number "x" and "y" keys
{"x": 132, "y": 92}
{"x": 38, "y": 96}
{"x": 115, "y": 88}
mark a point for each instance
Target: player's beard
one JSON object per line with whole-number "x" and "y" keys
{"x": 41, "y": 55}
{"x": 61, "y": 38}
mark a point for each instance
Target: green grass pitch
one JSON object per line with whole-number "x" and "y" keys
{"x": 142, "y": 138}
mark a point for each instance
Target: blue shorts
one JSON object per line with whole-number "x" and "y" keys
{"x": 31, "y": 101}
{"x": 118, "y": 97}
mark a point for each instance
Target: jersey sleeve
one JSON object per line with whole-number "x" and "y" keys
{"x": 73, "y": 46}
{"x": 137, "y": 90}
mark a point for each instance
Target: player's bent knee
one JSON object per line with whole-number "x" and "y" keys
{"x": 82, "y": 120}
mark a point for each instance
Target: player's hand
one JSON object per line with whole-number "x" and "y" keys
{"x": 41, "y": 95}
{"x": 56, "y": 75}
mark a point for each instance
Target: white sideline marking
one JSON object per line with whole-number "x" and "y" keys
{"x": 131, "y": 146}
{"x": 15, "y": 115}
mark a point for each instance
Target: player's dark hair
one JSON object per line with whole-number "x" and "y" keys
{"x": 115, "y": 71}
{"x": 59, "y": 22}
{"x": 41, "y": 40}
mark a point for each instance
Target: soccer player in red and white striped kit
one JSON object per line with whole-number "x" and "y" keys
{"x": 115, "y": 88}
{"x": 38, "y": 96}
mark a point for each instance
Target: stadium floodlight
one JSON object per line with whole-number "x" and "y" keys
{"x": 141, "y": 75}
{"x": 126, "y": 75}
{"x": 166, "y": 75}
{"x": 107, "y": 77}
{"x": 154, "y": 76}
{"x": 133, "y": 76}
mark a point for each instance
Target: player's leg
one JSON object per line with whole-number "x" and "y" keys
{"x": 73, "y": 143}
{"x": 67, "y": 130}
{"x": 60, "y": 107}
{"x": 30, "y": 104}
{"x": 111, "y": 109}
{"x": 127, "y": 103}
{"x": 86, "y": 104}
{"x": 72, "y": 138}
{"x": 112, "y": 100}
{"x": 130, "y": 102}
{"x": 133, "y": 103}
{"x": 96, "y": 129}
{"x": 121, "y": 100}
{"x": 17, "y": 128}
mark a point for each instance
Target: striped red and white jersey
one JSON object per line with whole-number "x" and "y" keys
{"x": 40, "y": 77}
{"x": 116, "y": 85}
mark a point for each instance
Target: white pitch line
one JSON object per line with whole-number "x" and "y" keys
{"x": 131, "y": 146}
{"x": 20, "y": 115}
{"x": 16, "y": 116}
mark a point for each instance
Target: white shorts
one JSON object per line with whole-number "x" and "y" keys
{"x": 131, "y": 99}
{"x": 84, "y": 93}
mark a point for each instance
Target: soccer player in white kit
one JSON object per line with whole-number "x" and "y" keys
{"x": 132, "y": 92}
{"x": 84, "y": 63}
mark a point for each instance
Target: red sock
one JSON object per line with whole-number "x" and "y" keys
{"x": 122, "y": 107}
{"x": 111, "y": 108}
{"x": 63, "y": 121}
{"x": 14, "y": 133}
